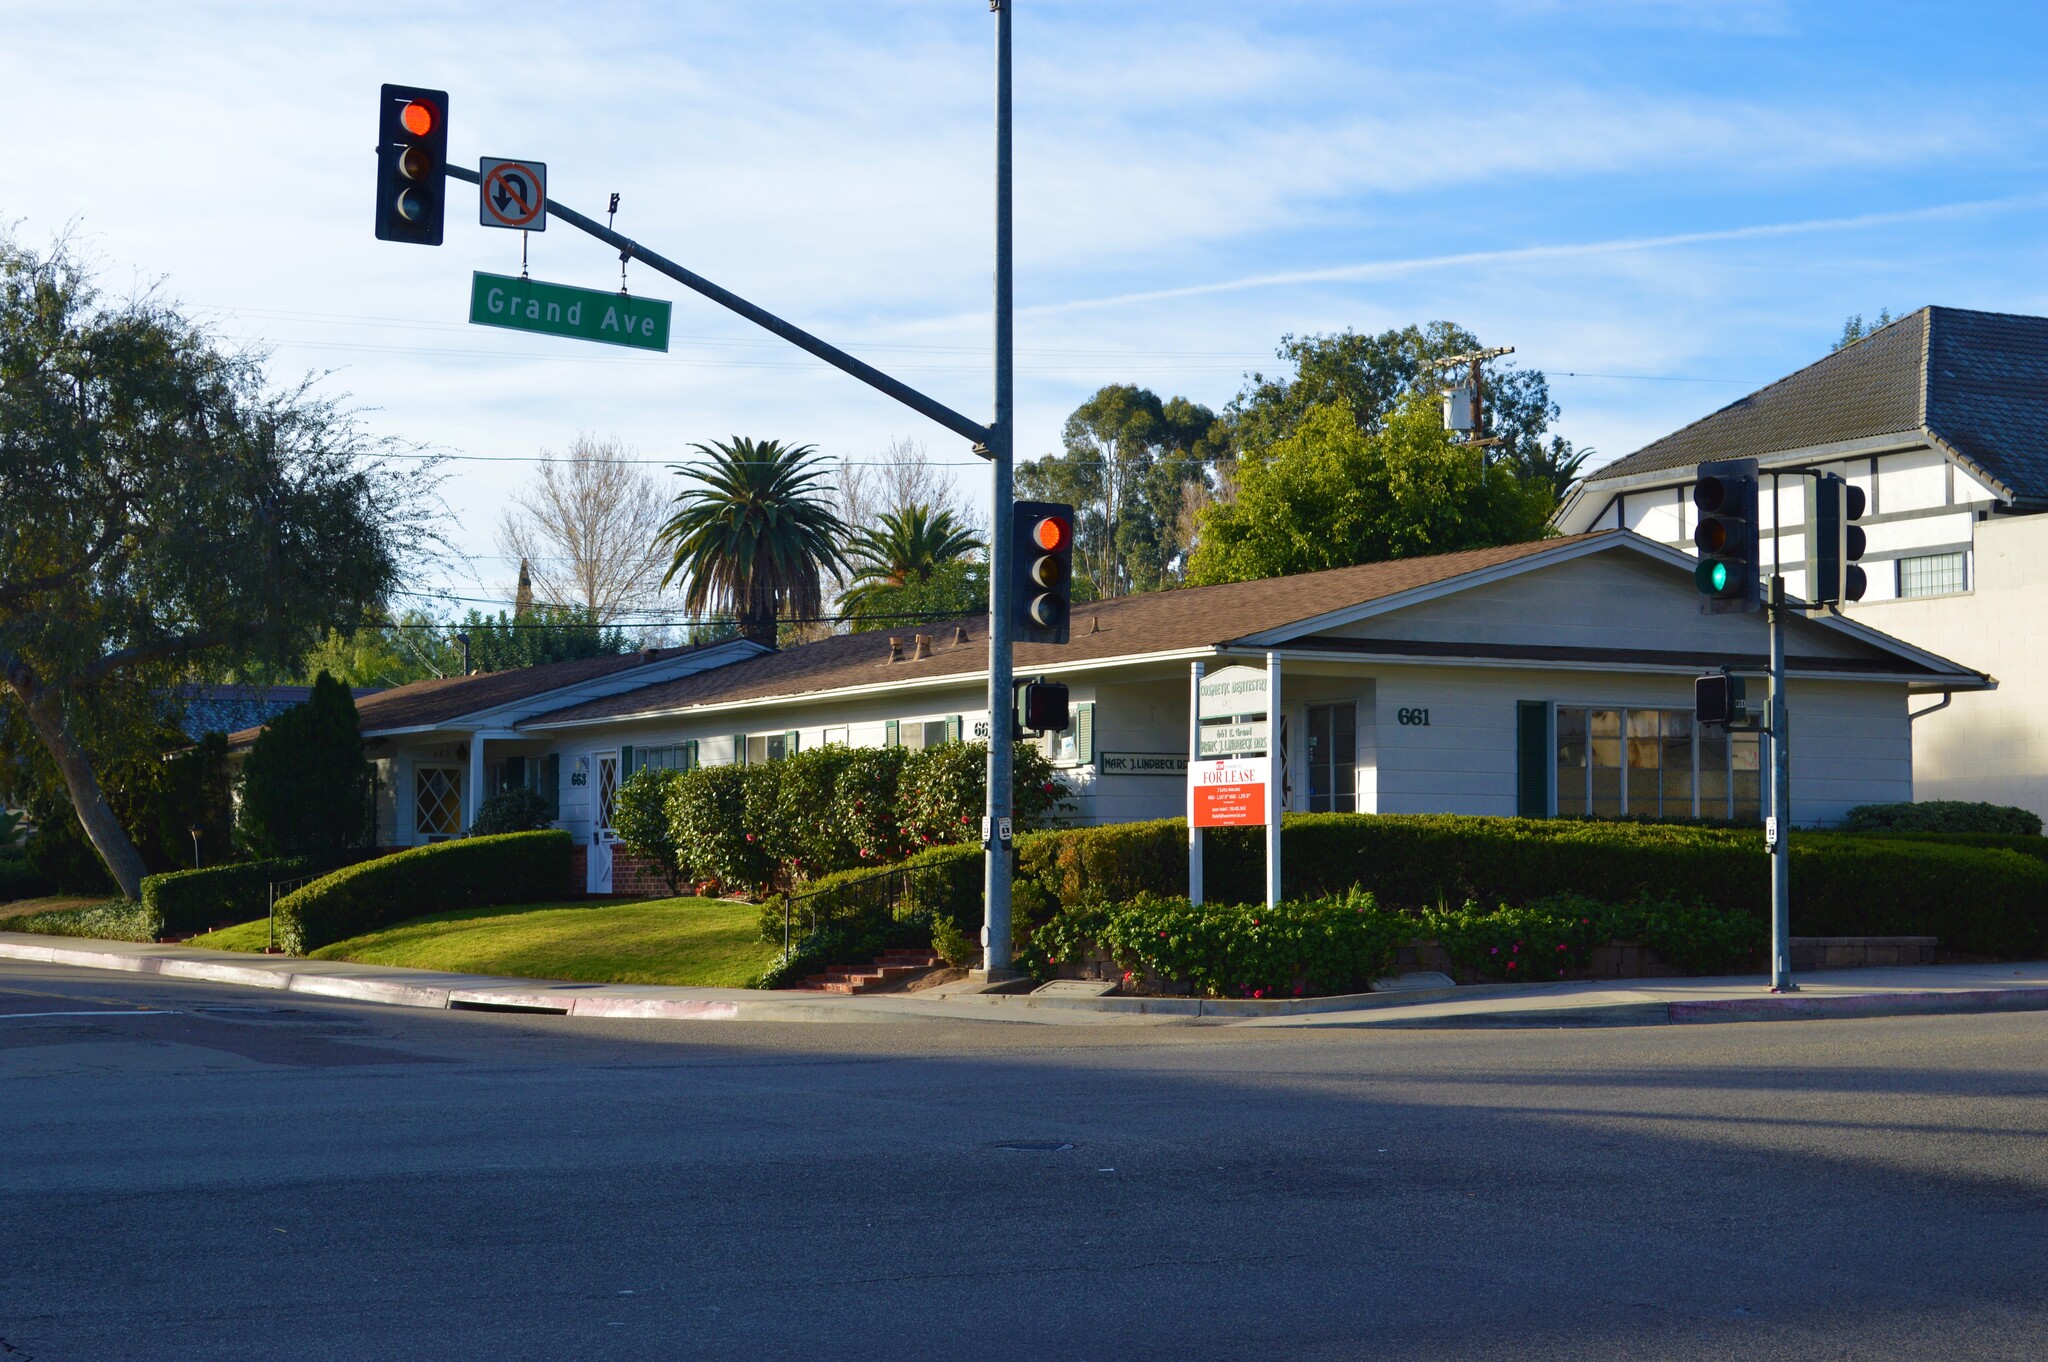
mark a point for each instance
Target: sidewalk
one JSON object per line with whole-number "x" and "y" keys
{"x": 1905, "y": 991}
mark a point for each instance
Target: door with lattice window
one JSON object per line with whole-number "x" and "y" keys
{"x": 607, "y": 788}
{"x": 437, "y": 802}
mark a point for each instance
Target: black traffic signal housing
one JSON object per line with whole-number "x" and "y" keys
{"x": 412, "y": 164}
{"x": 1720, "y": 699}
{"x": 1834, "y": 541}
{"x": 1042, "y": 706}
{"x": 1042, "y": 570}
{"x": 1730, "y": 566}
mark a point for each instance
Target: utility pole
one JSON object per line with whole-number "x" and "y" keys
{"x": 1477, "y": 378}
{"x": 1777, "y": 830}
{"x": 995, "y": 832}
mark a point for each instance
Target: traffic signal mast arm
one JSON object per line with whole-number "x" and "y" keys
{"x": 632, "y": 250}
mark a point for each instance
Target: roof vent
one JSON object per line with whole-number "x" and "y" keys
{"x": 959, "y": 635}
{"x": 1095, "y": 624}
{"x": 895, "y": 650}
{"x": 924, "y": 648}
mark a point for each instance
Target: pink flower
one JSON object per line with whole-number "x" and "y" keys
{"x": 1561, "y": 946}
{"x": 1511, "y": 964}
{"x": 1493, "y": 950}
{"x": 750, "y": 837}
{"x": 1048, "y": 787}
{"x": 1258, "y": 993}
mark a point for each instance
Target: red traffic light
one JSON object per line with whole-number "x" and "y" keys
{"x": 1052, "y": 534}
{"x": 417, "y": 118}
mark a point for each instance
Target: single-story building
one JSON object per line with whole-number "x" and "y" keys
{"x": 1536, "y": 679}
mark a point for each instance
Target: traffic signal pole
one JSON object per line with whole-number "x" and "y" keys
{"x": 1780, "y": 826}
{"x": 995, "y": 832}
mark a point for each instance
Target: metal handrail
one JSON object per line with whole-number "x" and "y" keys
{"x": 278, "y": 889}
{"x": 898, "y": 873}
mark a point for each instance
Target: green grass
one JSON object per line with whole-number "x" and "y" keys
{"x": 705, "y": 942}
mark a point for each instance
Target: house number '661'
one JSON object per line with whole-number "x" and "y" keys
{"x": 1415, "y": 718}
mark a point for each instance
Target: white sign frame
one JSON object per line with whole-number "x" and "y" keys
{"x": 506, "y": 170}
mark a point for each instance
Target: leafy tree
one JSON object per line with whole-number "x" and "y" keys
{"x": 755, "y": 535}
{"x": 640, "y": 816}
{"x": 307, "y": 789}
{"x": 915, "y": 562}
{"x": 943, "y": 790}
{"x": 1856, "y": 329}
{"x": 1333, "y": 494}
{"x": 166, "y": 513}
{"x": 1375, "y": 375}
{"x": 955, "y": 591}
{"x": 547, "y": 633}
{"x": 1130, "y": 463}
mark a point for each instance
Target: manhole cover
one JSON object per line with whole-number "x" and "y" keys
{"x": 1035, "y": 1146}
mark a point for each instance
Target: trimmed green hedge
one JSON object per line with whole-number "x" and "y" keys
{"x": 515, "y": 867}
{"x": 1943, "y": 815}
{"x": 18, "y": 880}
{"x": 185, "y": 902}
{"x": 944, "y": 879}
{"x": 116, "y": 920}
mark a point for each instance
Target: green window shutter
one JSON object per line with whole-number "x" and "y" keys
{"x": 552, "y": 783}
{"x": 789, "y": 744}
{"x": 625, "y": 761}
{"x": 892, "y": 734}
{"x": 952, "y": 728}
{"x": 1533, "y": 759}
{"x": 1084, "y": 733}
{"x": 739, "y": 749}
{"x": 689, "y": 755}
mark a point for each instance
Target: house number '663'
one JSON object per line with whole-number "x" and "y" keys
{"x": 1415, "y": 718}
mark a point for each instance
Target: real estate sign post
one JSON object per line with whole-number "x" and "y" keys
{"x": 1234, "y": 777}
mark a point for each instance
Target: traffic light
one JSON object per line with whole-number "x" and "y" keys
{"x": 1042, "y": 706}
{"x": 1042, "y": 559}
{"x": 1729, "y": 567}
{"x": 1834, "y": 541}
{"x": 412, "y": 164}
{"x": 1718, "y": 698}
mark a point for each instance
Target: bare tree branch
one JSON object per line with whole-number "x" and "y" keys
{"x": 586, "y": 526}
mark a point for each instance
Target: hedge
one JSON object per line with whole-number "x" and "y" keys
{"x": 116, "y": 920}
{"x": 185, "y": 902}
{"x": 1943, "y": 815}
{"x": 515, "y": 867}
{"x": 18, "y": 880}
{"x": 946, "y": 880}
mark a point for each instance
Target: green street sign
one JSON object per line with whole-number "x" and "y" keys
{"x": 559, "y": 310}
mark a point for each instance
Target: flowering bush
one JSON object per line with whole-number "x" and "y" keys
{"x": 1554, "y": 937}
{"x": 707, "y": 808}
{"x": 944, "y": 791}
{"x": 640, "y": 816}
{"x": 807, "y": 833}
{"x": 864, "y": 804}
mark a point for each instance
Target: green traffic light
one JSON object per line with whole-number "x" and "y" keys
{"x": 1718, "y": 575}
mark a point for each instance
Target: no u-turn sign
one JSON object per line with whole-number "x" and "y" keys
{"x": 512, "y": 194}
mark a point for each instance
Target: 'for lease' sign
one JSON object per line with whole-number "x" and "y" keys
{"x": 1228, "y": 794}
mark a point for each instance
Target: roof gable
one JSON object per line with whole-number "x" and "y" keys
{"x": 1975, "y": 383}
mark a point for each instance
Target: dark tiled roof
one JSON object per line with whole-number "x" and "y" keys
{"x": 1976, "y": 381}
{"x": 229, "y": 708}
{"x": 1158, "y": 621}
{"x": 443, "y": 699}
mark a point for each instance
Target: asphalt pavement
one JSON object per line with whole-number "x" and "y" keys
{"x": 197, "y": 1170}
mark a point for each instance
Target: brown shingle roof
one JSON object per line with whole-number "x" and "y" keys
{"x": 1977, "y": 381}
{"x": 439, "y": 700}
{"x": 1158, "y": 621}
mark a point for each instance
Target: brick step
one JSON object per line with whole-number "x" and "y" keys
{"x": 892, "y": 965}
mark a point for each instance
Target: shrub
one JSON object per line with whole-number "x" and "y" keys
{"x": 1331, "y": 945}
{"x": 951, "y": 945}
{"x": 944, "y": 881}
{"x": 864, "y": 804}
{"x": 307, "y": 789}
{"x": 184, "y": 902}
{"x": 1555, "y": 936}
{"x": 520, "y": 867}
{"x": 1108, "y": 864}
{"x": 806, "y": 834}
{"x": 943, "y": 793}
{"x": 18, "y": 880}
{"x": 1943, "y": 815}
{"x": 513, "y": 809}
{"x": 640, "y": 815}
{"x": 118, "y": 920}
{"x": 707, "y": 812}
{"x": 2036, "y": 847}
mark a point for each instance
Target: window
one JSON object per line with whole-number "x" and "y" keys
{"x": 918, "y": 734}
{"x": 437, "y": 801}
{"x": 841, "y": 736}
{"x": 1332, "y": 758}
{"x": 680, "y": 756}
{"x": 607, "y": 787}
{"x": 766, "y": 747}
{"x": 1073, "y": 745}
{"x": 1935, "y": 574}
{"x": 1654, "y": 763}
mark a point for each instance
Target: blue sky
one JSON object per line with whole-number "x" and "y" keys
{"x": 1659, "y": 204}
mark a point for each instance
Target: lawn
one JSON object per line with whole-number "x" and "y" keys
{"x": 707, "y": 942}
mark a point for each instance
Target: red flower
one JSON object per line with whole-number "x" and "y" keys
{"x": 750, "y": 837}
{"x": 1511, "y": 964}
{"x": 1048, "y": 787}
{"x": 1258, "y": 993}
{"x": 1561, "y": 946}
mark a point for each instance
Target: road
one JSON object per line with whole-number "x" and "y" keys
{"x": 197, "y": 1171}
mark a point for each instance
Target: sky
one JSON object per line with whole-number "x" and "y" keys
{"x": 1660, "y": 204}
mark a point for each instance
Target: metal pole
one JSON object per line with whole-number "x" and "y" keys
{"x": 1274, "y": 802}
{"x": 1002, "y": 447}
{"x": 1779, "y": 829}
{"x": 1195, "y": 672}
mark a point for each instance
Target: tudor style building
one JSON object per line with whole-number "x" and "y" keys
{"x": 1942, "y": 418}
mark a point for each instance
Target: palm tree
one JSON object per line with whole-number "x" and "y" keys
{"x": 908, "y": 547}
{"x": 755, "y": 535}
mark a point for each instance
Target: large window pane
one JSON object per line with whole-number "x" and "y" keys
{"x": 1745, "y": 751}
{"x": 1713, "y": 772}
{"x": 1643, "y": 752}
{"x": 1606, "y": 751}
{"x": 1571, "y": 761}
{"x": 1677, "y": 739}
{"x": 1934, "y": 574}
